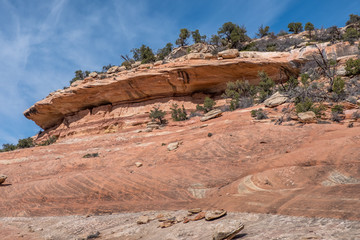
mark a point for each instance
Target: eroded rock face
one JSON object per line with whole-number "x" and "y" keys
{"x": 180, "y": 77}
{"x": 172, "y": 79}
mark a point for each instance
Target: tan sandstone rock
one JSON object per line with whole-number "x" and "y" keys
{"x": 275, "y": 100}
{"x": 227, "y": 231}
{"x": 212, "y": 114}
{"x": 172, "y": 146}
{"x": 113, "y": 69}
{"x": 93, "y": 74}
{"x": 307, "y": 117}
{"x": 229, "y": 53}
{"x": 212, "y": 215}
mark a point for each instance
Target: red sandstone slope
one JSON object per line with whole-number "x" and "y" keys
{"x": 310, "y": 170}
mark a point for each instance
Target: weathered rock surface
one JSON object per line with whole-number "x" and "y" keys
{"x": 231, "y": 170}
{"x": 306, "y": 117}
{"x": 2, "y": 178}
{"x": 212, "y": 114}
{"x": 275, "y": 100}
{"x": 124, "y": 226}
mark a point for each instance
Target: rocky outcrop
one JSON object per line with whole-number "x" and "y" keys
{"x": 167, "y": 80}
{"x": 180, "y": 77}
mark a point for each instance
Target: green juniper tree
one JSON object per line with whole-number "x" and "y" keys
{"x": 309, "y": 27}
{"x": 183, "y": 36}
{"x": 295, "y": 27}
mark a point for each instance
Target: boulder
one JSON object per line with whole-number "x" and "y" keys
{"x": 121, "y": 68}
{"x": 229, "y": 53}
{"x": 2, "y": 178}
{"x": 349, "y": 114}
{"x": 275, "y": 100}
{"x": 143, "y": 219}
{"x": 227, "y": 231}
{"x": 93, "y": 74}
{"x": 172, "y": 146}
{"x": 212, "y": 114}
{"x": 306, "y": 117}
{"x": 211, "y": 215}
{"x": 136, "y": 64}
{"x": 340, "y": 71}
{"x": 178, "y": 52}
{"x": 113, "y": 69}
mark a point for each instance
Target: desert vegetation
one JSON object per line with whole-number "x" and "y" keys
{"x": 26, "y": 143}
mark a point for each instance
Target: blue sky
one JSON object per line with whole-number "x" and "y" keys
{"x": 42, "y": 42}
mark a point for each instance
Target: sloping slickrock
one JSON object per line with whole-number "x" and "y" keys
{"x": 275, "y": 100}
{"x": 284, "y": 176}
{"x": 212, "y": 114}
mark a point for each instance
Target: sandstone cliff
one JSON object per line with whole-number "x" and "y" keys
{"x": 174, "y": 79}
{"x": 127, "y": 93}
